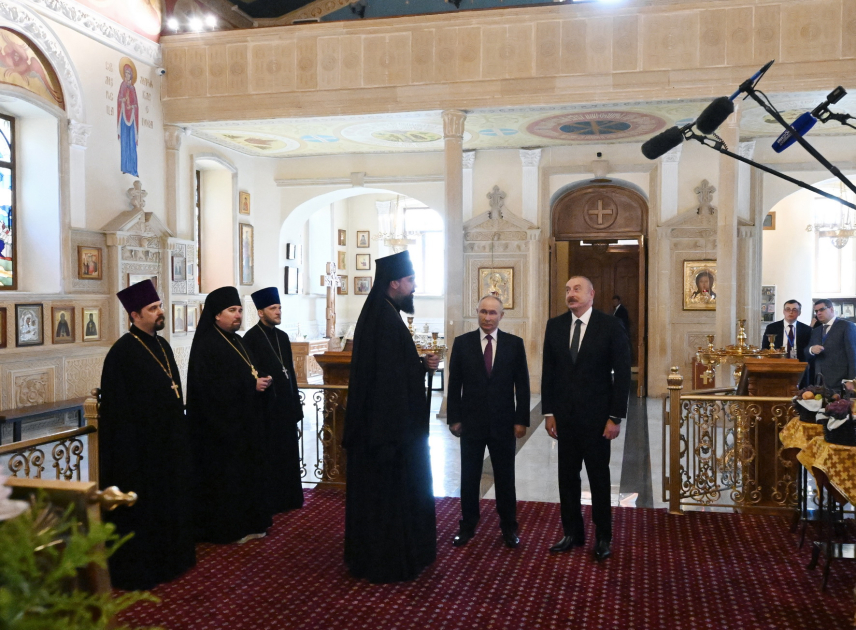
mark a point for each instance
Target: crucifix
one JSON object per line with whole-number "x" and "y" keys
{"x": 600, "y": 211}
{"x": 331, "y": 281}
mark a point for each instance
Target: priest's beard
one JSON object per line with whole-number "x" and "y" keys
{"x": 405, "y": 303}
{"x": 160, "y": 323}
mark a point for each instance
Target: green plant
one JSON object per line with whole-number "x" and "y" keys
{"x": 41, "y": 554}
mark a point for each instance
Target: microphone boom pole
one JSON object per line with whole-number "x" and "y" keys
{"x": 751, "y": 92}
{"x": 718, "y": 145}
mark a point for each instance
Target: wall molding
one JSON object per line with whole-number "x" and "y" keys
{"x": 368, "y": 181}
{"x": 19, "y": 18}
{"x": 101, "y": 29}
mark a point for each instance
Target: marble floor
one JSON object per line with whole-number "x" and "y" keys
{"x": 636, "y": 463}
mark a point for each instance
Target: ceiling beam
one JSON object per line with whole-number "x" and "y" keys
{"x": 314, "y": 10}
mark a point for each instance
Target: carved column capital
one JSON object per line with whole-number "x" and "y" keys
{"x": 530, "y": 157}
{"x": 78, "y": 133}
{"x": 746, "y": 149}
{"x": 172, "y": 137}
{"x": 453, "y": 123}
{"x": 673, "y": 156}
{"x": 469, "y": 158}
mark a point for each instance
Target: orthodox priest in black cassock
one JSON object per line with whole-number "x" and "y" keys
{"x": 390, "y": 523}
{"x": 143, "y": 436}
{"x": 272, "y": 350}
{"x": 225, "y": 404}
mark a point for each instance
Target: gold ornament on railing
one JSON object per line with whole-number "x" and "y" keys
{"x": 735, "y": 355}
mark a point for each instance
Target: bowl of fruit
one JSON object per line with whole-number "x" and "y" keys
{"x": 812, "y": 399}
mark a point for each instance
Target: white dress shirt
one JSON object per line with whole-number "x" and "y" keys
{"x": 585, "y": 320}
{"x": 493, "y": 335}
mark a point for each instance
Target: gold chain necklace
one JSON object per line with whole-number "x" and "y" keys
{"x": 281, "y": 362}
{"x": 166, "y": 368}
{"x": 240, "y": 354}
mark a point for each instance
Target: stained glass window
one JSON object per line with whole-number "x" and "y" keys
{"x": 8, "y": 260}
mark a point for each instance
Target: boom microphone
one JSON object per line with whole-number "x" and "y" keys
{"x": 721, "y": 108}
{"x": 714, "y": 115}
{"x": 664, "y": 142}
{"x": 801, "y": 125}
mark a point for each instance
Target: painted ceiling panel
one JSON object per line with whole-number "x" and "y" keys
{"x": 513, "y": 127}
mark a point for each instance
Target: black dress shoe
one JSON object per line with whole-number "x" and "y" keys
{"x": 602, "y": 549}
{"x": 462, "y": 538}
{"x": 510, "y": 539}
{"x": 567, "y": 543}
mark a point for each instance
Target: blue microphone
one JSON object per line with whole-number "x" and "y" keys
{"x": 801, "y": 125}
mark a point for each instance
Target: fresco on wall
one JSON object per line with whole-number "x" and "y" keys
{"x": 128, "y": 117}
{"x": 140, "y": 16}
{"x": 22, "y": 64}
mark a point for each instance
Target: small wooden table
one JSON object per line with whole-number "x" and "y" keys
{"x": 304, "y": 353}
{"x": 16, "y": 417}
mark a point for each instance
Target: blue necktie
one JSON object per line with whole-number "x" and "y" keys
{"x": 825, "y": 333}
{"x": 790, "y": 338}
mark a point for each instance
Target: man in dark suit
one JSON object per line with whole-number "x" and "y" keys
{"x": 585, "y": 383}
{"x": 487, "y": 375}
{"x": 620, "y": 311}
{"x": 832, "y": 348}
{"x": 790, "y": 333}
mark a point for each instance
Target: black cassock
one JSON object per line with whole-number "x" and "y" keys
{"x": 390, "y": 522}
{"x": 227, "y": 423}
{"x": 283, "y": 411}
{"x": 143, "y": 438}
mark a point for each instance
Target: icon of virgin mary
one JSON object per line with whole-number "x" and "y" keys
{"x": 128, "y": 117}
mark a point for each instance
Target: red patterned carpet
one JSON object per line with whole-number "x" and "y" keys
{"x": 703, "y": 570}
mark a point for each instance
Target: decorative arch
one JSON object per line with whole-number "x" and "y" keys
{"x": 23, "y": 65}
{"x": 21, "y": 20}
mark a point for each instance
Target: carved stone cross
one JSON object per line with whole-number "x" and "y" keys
{"x": 600, "y": 211}
{"x": 497, "y": 202}
{"x": 137, "y": 196}
{"x": 705, "y": 196}
{"x": 331, "y": 281}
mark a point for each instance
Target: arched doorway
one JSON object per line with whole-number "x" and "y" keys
{"x": 599, "y": 231}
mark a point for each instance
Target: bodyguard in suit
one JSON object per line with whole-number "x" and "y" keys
{"x": 585, "y": 383}
{"x": 488, "y": 406}
{"x": 620, "y": 311}
{"x": 790, "y": 333}
{"x": 832, "y": 348}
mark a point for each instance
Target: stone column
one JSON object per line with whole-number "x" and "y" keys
{"x": 78, "y": 136}
{"x": 468, "y": 161}
{"x": 727, "y": 277}
{"x": 453, "y": 135}
{"x": 669, "y": 165}
{"x": 172, "y": 140}
{"x": 530, "y": 159}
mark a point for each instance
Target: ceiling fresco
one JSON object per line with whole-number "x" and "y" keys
{"x": 513, "y": 127}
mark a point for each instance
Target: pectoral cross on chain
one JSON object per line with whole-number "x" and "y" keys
{"x": 174, "y": 387}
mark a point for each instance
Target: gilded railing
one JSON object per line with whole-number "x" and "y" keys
{"x": 723, "y": 450}
{"x": 64, "y": 452}
{"x": 322, "y": 459}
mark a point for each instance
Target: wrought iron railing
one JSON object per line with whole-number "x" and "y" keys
{"x": 723, "y": 450}
{"x": 63, "y": 451}
{"x": 319, "y": 432}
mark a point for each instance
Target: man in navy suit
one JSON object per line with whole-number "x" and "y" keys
{"x": 488, "y": 406}
{"x": 620, "y": 311}
{"x": 790, "y": 333}
{"x": 832, "y": 349}
{"x": 585, "y": 384}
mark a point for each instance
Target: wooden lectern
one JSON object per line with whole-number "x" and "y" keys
{"x": 769, "y": 481}
{"x": 336, "y": 367}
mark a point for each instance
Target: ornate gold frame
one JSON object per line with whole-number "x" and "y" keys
{"x": 694, "y": 299}
{"x": 497, "y": 281}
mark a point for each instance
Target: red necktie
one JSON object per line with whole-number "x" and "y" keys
{"x": 488, "y": 355}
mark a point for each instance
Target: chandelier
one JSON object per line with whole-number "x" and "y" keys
{"x": 833, "y": 220}
{"x": 393, "y": 227}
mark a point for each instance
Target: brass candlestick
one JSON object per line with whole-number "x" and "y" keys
{"x": 735, "y": 354}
